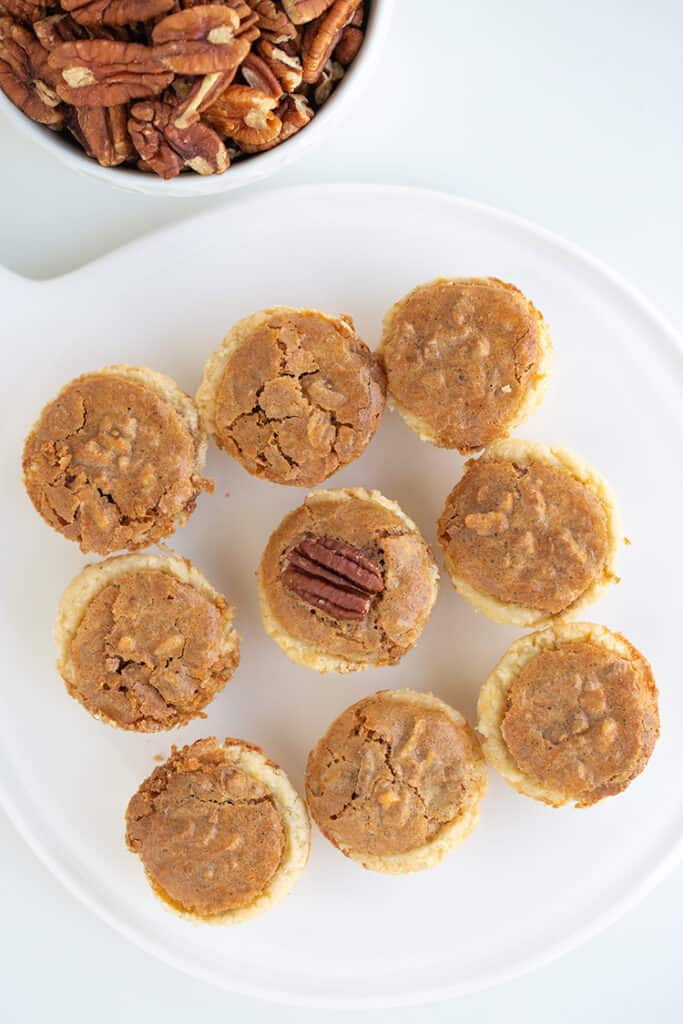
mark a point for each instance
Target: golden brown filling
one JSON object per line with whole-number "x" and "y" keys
{"x": 300, "y": 399}
{"x": 532, "y": 535}
{"x": 388, "y": 776}
{"x": 581, "y": 720}
{"x": 393, "y": 611}
{"x": 149, "y": 652}
{"x": 208, "y": 834}
{"x": 111, "y": 464}
{"x": 461, "y": 357}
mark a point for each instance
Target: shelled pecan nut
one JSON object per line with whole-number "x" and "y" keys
{"x": 301, "y": 11}
{"x": 286, "y": 67}
{"x": 103, "y": 132}
{"x": 27, "y": 11}
{"x": 56, "y": 29}
{"x": 294, "y": 113}
{"x": 333, "y": 576}
{"x": 201, "y": 95}
{"x": 327, "y": 34}
{"x": 26, "y": 76}
{"x": 115, "y": 12}
{"x": 272, "y": 21}
{"x": 332, "y": 73}
{"x": 200, "y": 40}
{"x": 348, "y": 46}
{"x": 106, "y": 72}
{"x": 167, "y": 150}
{"x": 258, "y": 75}
{"x": 245, "y": 115}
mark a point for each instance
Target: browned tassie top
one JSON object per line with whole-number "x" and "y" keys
{"x": 533, "y": 536}
{"x": 209, "y": 836}
{"x": 387, "y": 776}
{"x": 299, "y": 399}
{"x": 150, "y": 651}
{"x": 582, "y": 720}
{"x": 461, "y": 356}
{"x": 111, "y": 464}
{"x": 376, "y": 619}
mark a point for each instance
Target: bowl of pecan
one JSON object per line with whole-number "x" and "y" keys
{"x": 182, "y": 97}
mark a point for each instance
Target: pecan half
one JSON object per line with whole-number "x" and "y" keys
{"x": 245, "y": 115}
{"x": 333, "y": 72}
{"x": 301, "y": 11}
{"x": 200, "y": 40}
{"x": 103, "y": 132}
{"x": 273, "y": 22}
{"x": 167, "y": 150}
{"x": 327, "y": 34}
{"x": 105, "y": 72}
{"x": 286, "y": 67}
{"x": 56, "y": 29}
{"x": 26, "y": 78}
{"x": 294, "y": 113}
{"x": 333, "y": 576}
{"x": 115, "y": 12}
{"x": 348, "y": 46}
{"x": 258, "y": 75}
{"x": 27, "y": 11}
{"x": 200, "y": 96}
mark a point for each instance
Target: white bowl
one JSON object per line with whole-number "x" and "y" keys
{"x": 247, "y": 171}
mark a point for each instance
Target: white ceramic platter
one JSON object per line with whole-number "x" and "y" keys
{"x": 531, "y": 882}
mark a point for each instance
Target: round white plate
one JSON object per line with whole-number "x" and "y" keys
{"x": 531, "y": 882}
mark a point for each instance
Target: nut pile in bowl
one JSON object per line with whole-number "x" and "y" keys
{"x": 169, "y": 86}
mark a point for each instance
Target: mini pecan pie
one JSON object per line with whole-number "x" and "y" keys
{"x": 144, "y": 642}
{"x": 115, "y": 460}
{"x": 530, "y": 533}
{"x": 570, "y": 714}
{"x": 220, "y": 830}
{"x": 466, "y": 360}
{"x": 396, "y": 781}
{"x": 346, "y": 582}
{"x": 293, "y": 395}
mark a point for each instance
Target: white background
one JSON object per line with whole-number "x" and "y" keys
{"x": 568, "y": 114}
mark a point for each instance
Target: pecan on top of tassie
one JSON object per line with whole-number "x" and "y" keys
{"x": 346, "y": 582}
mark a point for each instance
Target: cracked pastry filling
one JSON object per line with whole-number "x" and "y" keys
{"x": 150, "y": 651}
{"x": 529, "y": 535}
{"x": 209, "y": 835}
{"x": 389, "y": 775}
{"x": 461, "y": 358}
{"x": 299, "y": 398}
{"x": 375, "y": 617}
{"x": 581, "y": 720}
{"x": 111, "y": 464}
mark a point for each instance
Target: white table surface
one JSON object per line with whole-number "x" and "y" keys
{"x": 568, "y": 114}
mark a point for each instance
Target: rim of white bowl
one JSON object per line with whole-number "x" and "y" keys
{"x": 244, "y": 173}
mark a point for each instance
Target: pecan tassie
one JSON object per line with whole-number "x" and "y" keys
{"x": 333, "y": 576}
{"x": 220, "y": 81}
